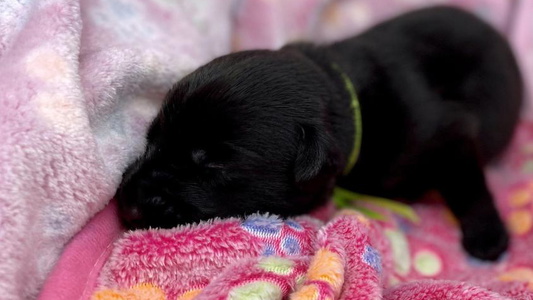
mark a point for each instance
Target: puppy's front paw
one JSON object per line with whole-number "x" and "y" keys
{"x": 485, "y": 238}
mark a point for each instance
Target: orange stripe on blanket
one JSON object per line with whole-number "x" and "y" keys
{"x": 327, "y": 267}
{"x": 307, "y": 292}
{"x": 190, "y": 294}
{"x": 139, "y": 292}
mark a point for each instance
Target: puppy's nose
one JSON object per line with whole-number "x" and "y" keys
{"x": 133, "y": 218}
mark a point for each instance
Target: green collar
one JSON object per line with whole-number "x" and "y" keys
{"x": 344, "y": 198}
{"x": 357, "y": 122}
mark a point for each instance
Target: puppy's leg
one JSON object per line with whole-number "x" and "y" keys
{"x": 461, "y": 181}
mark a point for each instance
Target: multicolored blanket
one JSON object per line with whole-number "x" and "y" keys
{"x": 80, "y": 81}
{"x": 349, "y": 257}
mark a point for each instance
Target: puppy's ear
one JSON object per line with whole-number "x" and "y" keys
{"x": 313, "y": 152}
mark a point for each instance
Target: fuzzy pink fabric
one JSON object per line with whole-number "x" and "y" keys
{"x": 75, "y": 275}
{"x": 80, "y": 81}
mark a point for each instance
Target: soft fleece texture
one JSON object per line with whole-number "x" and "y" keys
{"x": 350, "y": 257}
{"x": 80, "y": 80}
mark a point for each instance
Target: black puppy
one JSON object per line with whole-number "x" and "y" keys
{"x": 438, "y": 93}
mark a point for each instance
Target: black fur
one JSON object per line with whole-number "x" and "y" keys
{"x": 270, "y": 131}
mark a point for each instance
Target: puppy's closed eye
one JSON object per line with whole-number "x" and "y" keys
{"x": 201, "y": 158}
{"x": 216, "y": 166}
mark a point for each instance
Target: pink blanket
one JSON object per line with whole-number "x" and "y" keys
{"x": 80, "y": 80}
